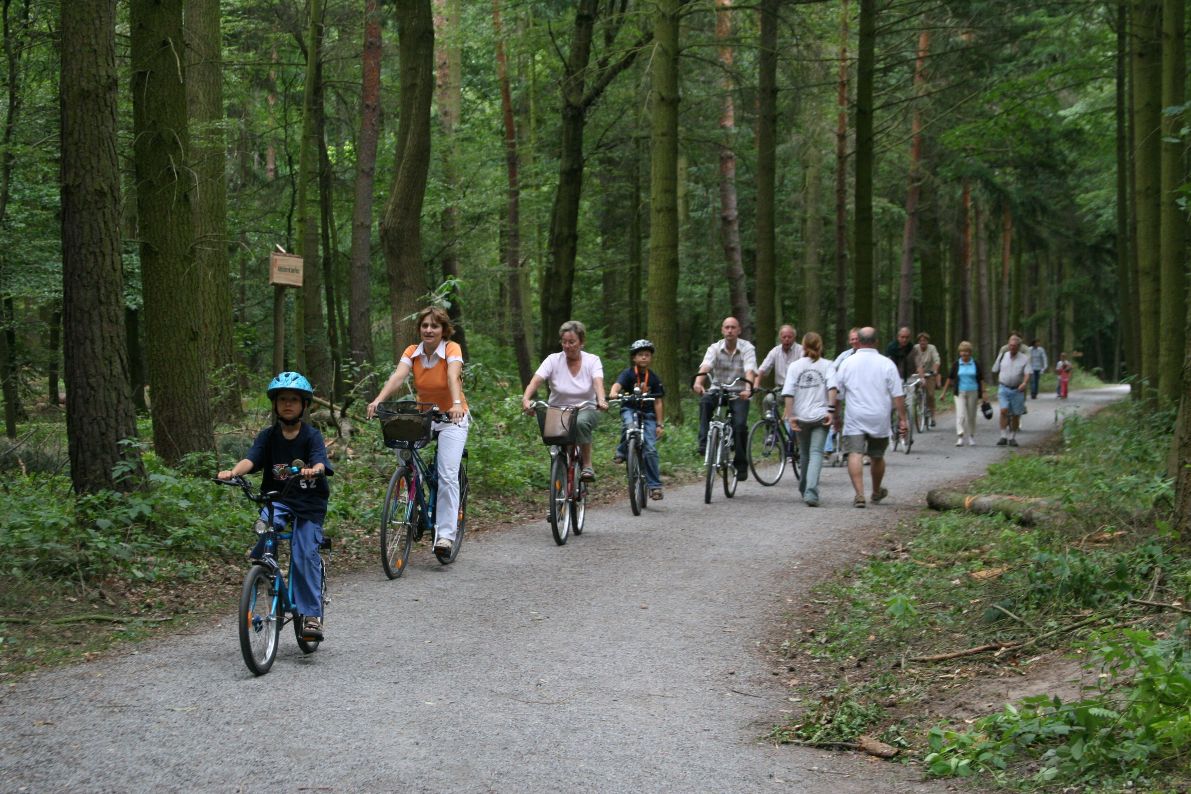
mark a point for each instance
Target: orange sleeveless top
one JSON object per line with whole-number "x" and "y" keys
{"x": 431, "y": 382}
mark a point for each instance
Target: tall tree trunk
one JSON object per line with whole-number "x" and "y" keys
{"x": 935, "y": 305}
{"x": 512, "y": 228}
{"x": 359, "y": 315}
{"x": 905, "y": 294}
{"x": 313, "y": 338}
{"x": 811, "y": 318}
{"x": 988, "y": 346}
{"x": 637, "y": 280}
{"x": 449, "y": 91}
{"x": 862, "y": 268}
{"x": 204, "y": 94}
{"x": 1173, "y": 220}
{"x": 663, "y": 181}
{"x": 1147, "y": 177}
{"x": 1005, "y": 320}
{"x": 53, "y": 352}
{"x": 137, "y": 379}
{"x": 1126, "y": 309}
{"x": 729, "y": 219}
{"x": 841, "y": 189}
{"x": 173, "y": 325}
{"x": 766, "y": 290}
{"x": 401, "y": 226}
{"x": 965, "y": 267}
{"x": 99, "y": 412}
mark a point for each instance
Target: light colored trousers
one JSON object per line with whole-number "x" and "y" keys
{"x": 967, "y": 406}
{"x": 452, "y": 438}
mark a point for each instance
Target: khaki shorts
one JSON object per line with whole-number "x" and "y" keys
{"x": 864, "y": 444}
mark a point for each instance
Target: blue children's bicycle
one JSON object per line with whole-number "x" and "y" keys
{"x": 266, "y": 599}
{"x": 410, "y": 502}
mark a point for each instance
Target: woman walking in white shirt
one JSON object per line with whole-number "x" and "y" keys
{"x": 808, "y": 411}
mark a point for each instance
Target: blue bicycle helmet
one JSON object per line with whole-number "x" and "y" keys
{"x": 294, "y": 381}
{"x": 639, "y": 345}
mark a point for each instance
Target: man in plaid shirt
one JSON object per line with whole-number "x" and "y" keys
{"x": 726, "y": 360}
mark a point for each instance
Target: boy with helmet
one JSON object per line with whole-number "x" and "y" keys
{"x": 640, "y": 379}
{"x": 289, "y": 442}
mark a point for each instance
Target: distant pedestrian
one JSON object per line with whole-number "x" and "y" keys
{"x": 1012, "y": 369}
{"x": 872, "y": 388}
{"x": 1039, "y": 365}
{"x": 1063, "y": 370}
{"x": 808, "y": 411}
{"x": 968, "y": 378}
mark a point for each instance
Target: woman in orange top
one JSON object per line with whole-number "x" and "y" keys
{"x": 437, "y": 367}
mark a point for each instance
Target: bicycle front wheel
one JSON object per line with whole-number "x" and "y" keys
{"x": 260, "y": 621}
{"x": 560, "y": 514}
{"x": 728, "y": 466}
{"x": 767, "y": 454}
{"x": 461, "y": 518}
{"x": 711, "y": 461}
{"x": 578, "y": 498}
{"x": 398, "y": 520}
{"x": 908, "y": 439}
{"x": 632, "y": 465}
{"x": 920, "y": 411}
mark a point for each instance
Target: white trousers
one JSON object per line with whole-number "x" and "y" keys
{"x": 452, "y": 438}
{"x": 967, "y": 405}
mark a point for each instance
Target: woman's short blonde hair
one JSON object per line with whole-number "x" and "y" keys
{"x": 965, "y": 347}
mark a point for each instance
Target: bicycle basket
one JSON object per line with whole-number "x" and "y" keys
{"x": 404, "y": 423}
{"x": 558, "y": 425}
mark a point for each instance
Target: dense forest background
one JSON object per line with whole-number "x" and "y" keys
{"x": 965, "y": 167}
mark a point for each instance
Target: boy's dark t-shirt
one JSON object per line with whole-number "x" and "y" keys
{"x": 647, "y": 379}
{"x": 307, "y": 498}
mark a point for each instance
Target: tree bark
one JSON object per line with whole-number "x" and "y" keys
{"x": 984, "y": 316}
{"x": 1025, "y": 511}
{"x": 905, "y": 295}
{"x": 729, "y": 217}
{"x": 841, "y": 189}
{"x": 1173, "y": 241}
{"x": 1147, "y": 177}
{"x": 766, "y": 288}
{"x": 401, "y": 226}
{"x": 359, "y": 315}
{"x": 181, "y": 407}
{"x": 99, "y": 412}
{"x": 449, "y": 89}
{"x": 1125, "y": 307}
{"x": 15, "y": 36}
{"x": 313, "y": 337}
{"x": 965, "y": 267}
{"x": 512, "y": 238}
{"x": 862, "y": 268}
{"x": 204, "y": 94}
{"x": 663, "y": 232}
{"x": 812, "y": 275}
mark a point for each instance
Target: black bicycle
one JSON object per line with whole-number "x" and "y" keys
{"x": 634, "y": 441}
{"x": 412, "y": 498}
{"x": 771, "y": 444}
{"x": 266, "y": 598}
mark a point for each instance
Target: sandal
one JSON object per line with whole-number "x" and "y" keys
{"x": 588, "y": 474}
{"x": 858, "y": 501}
{"x": 655, "y": 494}
{"x": 312, "y": 628}
{"x": 879, "y": 495}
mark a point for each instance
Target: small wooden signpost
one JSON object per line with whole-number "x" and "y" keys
{"x": 285, "y": 270}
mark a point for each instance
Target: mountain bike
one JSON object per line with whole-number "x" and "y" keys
{"x": 914, "y": 395}
{"x": 634, "y": 444}
{"x": 266, "y": 597}
{"x": 568, "y": 492}
{"x": 411, "y": 500}
{"x": 719, "y": 452}
{"x": 770, "y": 442}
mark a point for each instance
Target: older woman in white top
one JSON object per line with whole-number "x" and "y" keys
{"x": 575, "y": 378}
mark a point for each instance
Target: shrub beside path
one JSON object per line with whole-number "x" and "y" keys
{"x": 630, "y": 659}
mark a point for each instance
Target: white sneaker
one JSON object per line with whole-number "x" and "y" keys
{"x": 444, "y": 545}
{"x": 971, "y": 441}
{"x": 959, "y": 441}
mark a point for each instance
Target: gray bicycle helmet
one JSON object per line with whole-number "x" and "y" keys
{"x": 639, "y": 345}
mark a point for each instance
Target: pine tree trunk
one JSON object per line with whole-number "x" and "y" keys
{"x": 935, "y": 305}
{"x": 965, "y": 268}
{"x": 841, "y": 189}
{"x": 729, "y": 218}
{"x": 663, "y": 236}
{"x": 905, "y": 295}
{"x": 359, "y": 314}
{"x": 1173, "y": 219}
{"x": 1125, "y": 307}
{"x": 401, "y": 229}
{"x": 449, "y": 93}
{"x": 811, "y": 317}
{"x": 313, "y": 336}
{"x": 99, "y": 412}
{"x": 1005, "y": 319}
{"x": 512, "y": 227}
{"x": 174, "y": 345}
{"x": 863, "y": 274}
{"x": 766, "y": 291}
{"x": 1147, "y": 177}
{"x": 53, "y": 353}
{"x": 637, "y": 281}
{"x": 988, "y": 344}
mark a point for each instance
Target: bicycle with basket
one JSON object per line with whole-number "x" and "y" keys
{"x": 568, "y": 491}
{"x": 411, "y": 500}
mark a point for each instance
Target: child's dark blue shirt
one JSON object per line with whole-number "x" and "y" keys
{"x": 647, "y": 379}
{"x": 307, "y": 498}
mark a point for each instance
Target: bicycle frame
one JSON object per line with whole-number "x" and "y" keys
{"x": 423, "y": 486}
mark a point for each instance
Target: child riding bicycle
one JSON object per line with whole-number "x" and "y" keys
{"x": 640, "y": 380}
{"x": 288, "y": 441}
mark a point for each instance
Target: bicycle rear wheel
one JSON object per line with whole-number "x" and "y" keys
{"x": 728, "y": 467}
{"x": 767, "y": 454}
{"x": 260, "y": 621}
{"x": 632, "y": 465}
{"x": 398, "y": 520}
{"x": 711, "y": 462}
{"x": 578, "y": 503}
{"x": 310, "y": 646}
{"x": 908, "y": 439}
{"x": 560, "y": 514}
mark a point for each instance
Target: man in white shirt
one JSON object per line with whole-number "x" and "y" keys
{"x": 872, "y": 387}
{"x": 726, "y": 360}
{"x": 1013, "y": 372}
{"x": 780, "y": 358}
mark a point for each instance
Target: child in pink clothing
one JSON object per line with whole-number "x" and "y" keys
{"x": 1063, "y": 370}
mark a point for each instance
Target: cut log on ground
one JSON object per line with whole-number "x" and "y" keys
{"x": 1026, "y": 511}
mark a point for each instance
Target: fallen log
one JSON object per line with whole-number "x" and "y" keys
{"x": 1026, "y": 511}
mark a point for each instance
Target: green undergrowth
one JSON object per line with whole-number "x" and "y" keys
{"x": 994, "y": 597}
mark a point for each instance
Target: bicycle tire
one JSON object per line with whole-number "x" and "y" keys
{"x": 920, "y": 410}
{"x": 560, "y": 513}
{"x": 310, "y": 646}
{"x": 711, "y": 462}
{"x": 398, "y": 519}
{"x": 795, "y": 458}
{"x": 908, "y": 439}
{"x": 578, "y": 501}
{"x": 259, "y": 629}
{"x": 632, "y": 466}
{"x": 767, "y": 452}
{"x": 461, "y": 517}
{"x": 642, "y": 491}
{"x": 728, "y": 468}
